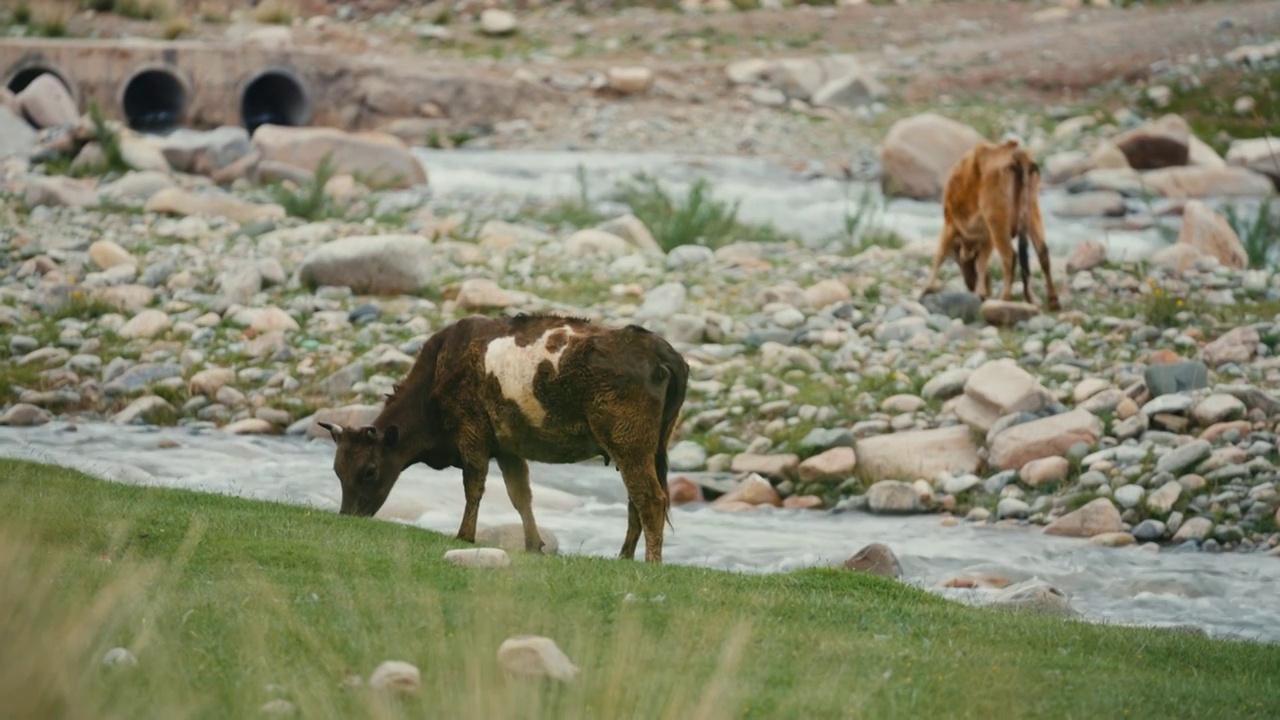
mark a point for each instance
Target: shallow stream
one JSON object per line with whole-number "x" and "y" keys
{"x": 584, "y": 505}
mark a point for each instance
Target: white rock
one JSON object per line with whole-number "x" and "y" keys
{"x": 478, "y": 557}
{"x": 497, "y": 22}
{"x": 119, "y": 657}
{"x": 146, "y": 324}
{"x": 397, "y": 677}
{"x": 536, "y": 656}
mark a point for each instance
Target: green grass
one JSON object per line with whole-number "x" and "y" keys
{"x": 696, "y": 219}
{"x": 1257, "y": 234}
{"x": 220, "y": 597}
{"x": 1208, "y": 105}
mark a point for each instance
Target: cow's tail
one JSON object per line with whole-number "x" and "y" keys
{"x": 1022, "y": 190}
{"x": 676, "y": 369}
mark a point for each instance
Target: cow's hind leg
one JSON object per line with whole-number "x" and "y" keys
{"x": 515, "y": 472}
{"x": 947, "y": 247}
{"x": 473, "y": 477}
{"x": 1036, "y": 230}
{"x": 633, "y": 532}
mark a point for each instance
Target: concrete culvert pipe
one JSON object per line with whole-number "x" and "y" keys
{"x": 274, "y": 97}
{"x": 154, "y": 100}
{"x": 20, "y": 79}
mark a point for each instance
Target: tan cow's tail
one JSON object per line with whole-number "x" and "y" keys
{"x": 1024, "y": 185}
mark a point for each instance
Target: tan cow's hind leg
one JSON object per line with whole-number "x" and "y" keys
{"x": 515, "y": 471}
{"x": 1005, "y": 248}
{"x": 946, "y": 247}
{"x": 1036, "y": 231}
{"x": 473, "y": 477}
{"x": 982, "y": 264}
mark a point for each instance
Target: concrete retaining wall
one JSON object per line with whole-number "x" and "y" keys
{"x": 203, "y": 85}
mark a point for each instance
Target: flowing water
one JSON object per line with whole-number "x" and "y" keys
{"x": 813, "y": 208}
{"x": 1228, "y": 594}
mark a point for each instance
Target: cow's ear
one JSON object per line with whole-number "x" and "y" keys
{"x": 390, "y": 436}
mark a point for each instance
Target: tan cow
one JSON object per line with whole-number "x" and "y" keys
{"x": 992, "y": 196}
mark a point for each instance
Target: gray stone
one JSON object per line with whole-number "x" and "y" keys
{"x": 687, "y": 456}
{"x": 205, "y": 151}
{"x": 960, "y": 304}
{"x": 819, "y": 439}
{"x": 1176, "y": 403}
{"x": 16, "y": 136}
{"x": 372, "y": 265}
{"x": 891, "y": 497}
{"x": 1149, "y": 531}
{"x": 1176, "y": 377}
{"x": 1181, "y": 458}
{"x": 140, "y": 377}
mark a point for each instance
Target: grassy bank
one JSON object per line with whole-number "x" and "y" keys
{"x": 229, "y": 603}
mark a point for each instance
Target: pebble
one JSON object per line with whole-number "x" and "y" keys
{"x": 396, "y": 677}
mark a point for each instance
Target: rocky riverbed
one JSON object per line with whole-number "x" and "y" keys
{"x": 222, "y": 281}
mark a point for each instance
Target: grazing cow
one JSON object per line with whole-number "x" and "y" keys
{"x": 992, "y": 195}
{"x": 532, "y": 387}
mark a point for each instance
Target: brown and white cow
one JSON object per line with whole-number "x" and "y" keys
{"x": 992, "y": 196}
{"x": 531, "y": 387}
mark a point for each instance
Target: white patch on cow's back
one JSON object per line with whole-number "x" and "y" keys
{"x": 515, "y": 367}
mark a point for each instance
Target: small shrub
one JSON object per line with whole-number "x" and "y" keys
{"x": 21, "y": 14}
{"x": 1161, "y": 308}
{"x": 275, "y": 12}
{"x": 1258, "y": 234}
{"x": 697, "y": 219}
{"x": 145, "y": 9}
{"x": 175, "y": 27}
{"x": 108, "y": 140}
{"x": 310, "y": 201}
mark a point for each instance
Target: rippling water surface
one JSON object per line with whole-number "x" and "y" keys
{"x": 1226, "y": 594}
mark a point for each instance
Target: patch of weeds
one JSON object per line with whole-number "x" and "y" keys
{"x": 1079, "y": 500}
{"x": 575, "y": 213}
{"x": 80, "y": 306}
{"x": 696, "y": 219}
{"x": 275, "y": 12}
{"x": 1207, "y": 102}
{"x": 15, "y": 378}
{"x": 1258, "y": 234}
{"x": 862, "y": 229}
{"x": 175, "y": 27}
{"x": 21, "y": 14}
{"x": 309, "y": 200}
{"x": 108, "y": 141}
{"x": 144, "y": 9}
{"x": 1160, "y": 307}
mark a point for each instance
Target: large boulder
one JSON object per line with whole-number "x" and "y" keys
{"x": 371, "y": 265}
{"x": 1018, "y": 445}
{"x": 379, "y": 159}
{"x": 1211, "y": 234}
{"x": 48, "y": 103}
{"x": 212, "y": 203}
{"x": 796, "y": 78}
{"x": 918, "y": 153}
{"x": 16, "y": 136}
{"x": 1261, "y": 155}
{"x": 1165, "y": 142}
{"x": 205, "y": 152}
{"x": 1202, "y": 182}
{"x": 917, "y": 453}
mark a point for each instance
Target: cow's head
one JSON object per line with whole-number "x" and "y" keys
{"x": 363, "y": 465}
